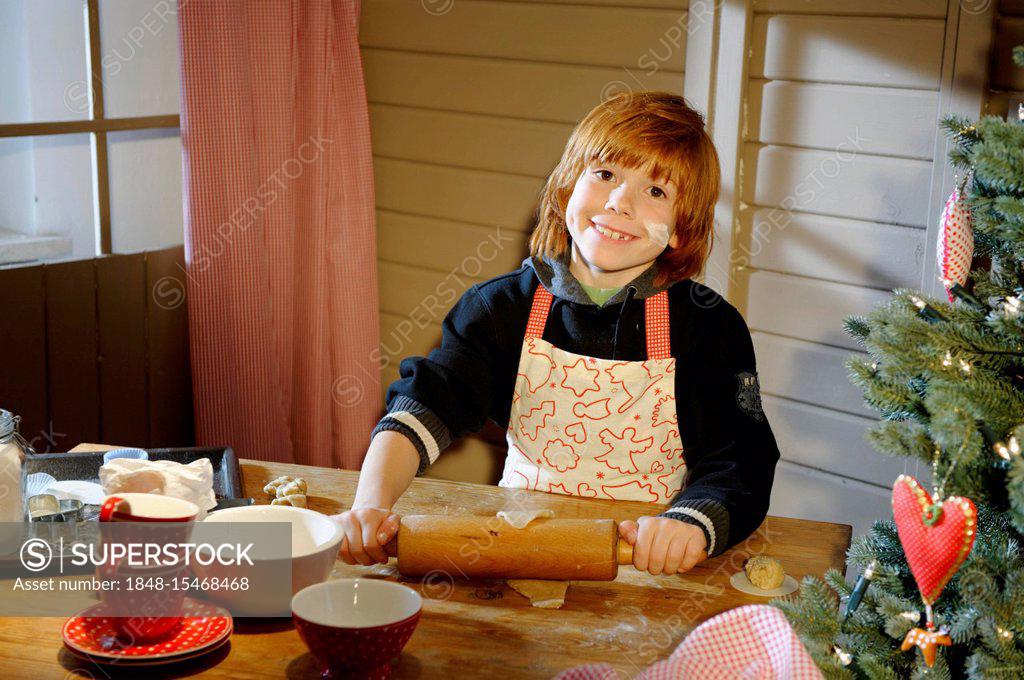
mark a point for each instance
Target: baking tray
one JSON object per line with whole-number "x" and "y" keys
{"x": 85, "y": 466}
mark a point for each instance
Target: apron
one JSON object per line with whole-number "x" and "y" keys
{"x": 596, "y": 428}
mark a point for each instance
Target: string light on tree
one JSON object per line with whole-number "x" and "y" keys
{"x": 1009, "y": 449}
{"x": 1011, "y": 307}
{"x": 955, "y": 289}
{"x": 926, "y": 309}
{"x": 844, "y": 656}
{"x": 859, "y": 589}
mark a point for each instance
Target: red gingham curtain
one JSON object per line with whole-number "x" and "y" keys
{"x": 280, "y": 237}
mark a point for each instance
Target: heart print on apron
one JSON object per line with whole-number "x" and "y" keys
{"x": 591, "y": 427}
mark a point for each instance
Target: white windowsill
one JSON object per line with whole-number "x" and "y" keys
{"x": 18, "y": 248}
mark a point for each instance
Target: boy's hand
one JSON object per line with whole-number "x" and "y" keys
{"x": 662, "y": 545}
{"x": 366, "y": 530}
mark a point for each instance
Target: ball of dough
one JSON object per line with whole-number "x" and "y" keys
{"x": 765, "y": 572}
{"x": 271, "y": 488}
{"x": 297, "y": 500}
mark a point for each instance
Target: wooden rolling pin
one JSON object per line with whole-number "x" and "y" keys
{"x": 490, "y": 547}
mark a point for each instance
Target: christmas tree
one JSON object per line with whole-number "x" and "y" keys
{"x": 941, "y": 591}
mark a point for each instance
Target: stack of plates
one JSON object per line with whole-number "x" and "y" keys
{"x": 90, "y": 635}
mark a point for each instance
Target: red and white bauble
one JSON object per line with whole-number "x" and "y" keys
{"x": 956, "y": 241}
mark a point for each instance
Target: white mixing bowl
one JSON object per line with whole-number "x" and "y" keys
{"x": 315, "y": 541}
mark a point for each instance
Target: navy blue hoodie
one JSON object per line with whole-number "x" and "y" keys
{"x": 728, "y": 445}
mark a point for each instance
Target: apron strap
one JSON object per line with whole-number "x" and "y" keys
{"x": 539, "y": 312}
{"x": 655, "y": 315}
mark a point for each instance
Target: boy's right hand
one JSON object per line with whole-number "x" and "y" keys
{"x": 366, "y": 529}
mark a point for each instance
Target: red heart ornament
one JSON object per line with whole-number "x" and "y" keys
{"x": 935, "y": 547}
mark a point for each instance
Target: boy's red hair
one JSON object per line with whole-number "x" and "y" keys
{"x": 656, "y": 132}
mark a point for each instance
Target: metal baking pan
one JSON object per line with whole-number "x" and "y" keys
{"x": 85, "y": 466}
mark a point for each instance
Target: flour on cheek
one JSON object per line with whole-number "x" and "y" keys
{"x": 657, "y": 232}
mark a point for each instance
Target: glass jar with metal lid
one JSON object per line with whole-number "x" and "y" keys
{"x": 14, "y": 451}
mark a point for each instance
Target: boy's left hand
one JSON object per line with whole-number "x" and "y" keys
{"x": 662, "y": 545}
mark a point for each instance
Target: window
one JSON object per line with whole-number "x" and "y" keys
{"x": 90, "y": 151}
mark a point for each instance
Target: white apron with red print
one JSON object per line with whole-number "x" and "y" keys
{"x": 596, "y": 428}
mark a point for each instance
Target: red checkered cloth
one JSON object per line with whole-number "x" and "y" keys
{"x": 754, "y": 642}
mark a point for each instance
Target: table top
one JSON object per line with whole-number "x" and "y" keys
{"x": 484, "y": 625}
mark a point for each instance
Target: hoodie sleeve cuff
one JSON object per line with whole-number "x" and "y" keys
{"x": 417, "y": 422}
{"x": 709, "y": 515}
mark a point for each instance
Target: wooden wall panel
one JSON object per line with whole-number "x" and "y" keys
{"x": 72, "y": 351}
{"x": 485, "y": 198}
{"x": 467, "y": 140}
{"x": 830, "y": 441}
{"x": 806, "y": 309}
{"x": 23, "y": 383}
{"x": 121, "y": 313}
{"x": 868, "y": 254}
{"x": 516, "y": 89}
{"x": 421, "y": 295}
{"x": 807, "y": 372}
{"x": 509, "y": 30}
{"x": 482, "y": 251}
{"x": 857, "y": 186}
{"x": 898, "y": 8}
{"x": 102, "y": 351}
{"x": 874, "y": 120}
{"x": 853, "y": 50}
{"x": 170, "y": 372}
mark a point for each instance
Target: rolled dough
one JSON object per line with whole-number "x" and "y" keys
{"x": 542, "y": 594}
{"x": 520, "y": 518}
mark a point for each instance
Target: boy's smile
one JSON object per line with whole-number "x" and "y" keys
{"x": 620, "y": 220}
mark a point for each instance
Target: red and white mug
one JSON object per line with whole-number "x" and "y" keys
{"x": 147, "y": 507}
{"x": 159, "y": 519}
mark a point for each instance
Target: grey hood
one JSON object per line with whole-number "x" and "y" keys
{"x": 554, "y": 274}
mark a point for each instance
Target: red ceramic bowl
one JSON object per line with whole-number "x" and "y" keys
{"x": 356, "y": 626}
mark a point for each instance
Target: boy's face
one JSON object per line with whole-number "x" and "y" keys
{"x": 609, "y": 197}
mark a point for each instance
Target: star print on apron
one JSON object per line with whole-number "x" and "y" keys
{"x": 597, "y": 428}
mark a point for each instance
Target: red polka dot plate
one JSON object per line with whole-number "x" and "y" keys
{"x": 143, "y": 662}
{"x": 203, "y": 626}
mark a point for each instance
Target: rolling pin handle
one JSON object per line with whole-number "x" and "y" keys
{"x": 391, "y": 547}
{"x": 624, "y": 552}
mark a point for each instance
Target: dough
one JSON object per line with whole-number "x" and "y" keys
{"x": 541, "y": 594}
{"x": 520, "y": 518}
{"x": 271, "y": 488}
{"x": 297, "y": 500}
{"x": 764, "y": 572}
{"x": 291, "y": 488}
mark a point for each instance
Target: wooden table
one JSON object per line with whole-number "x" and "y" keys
{"x": 478, "y": 629}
